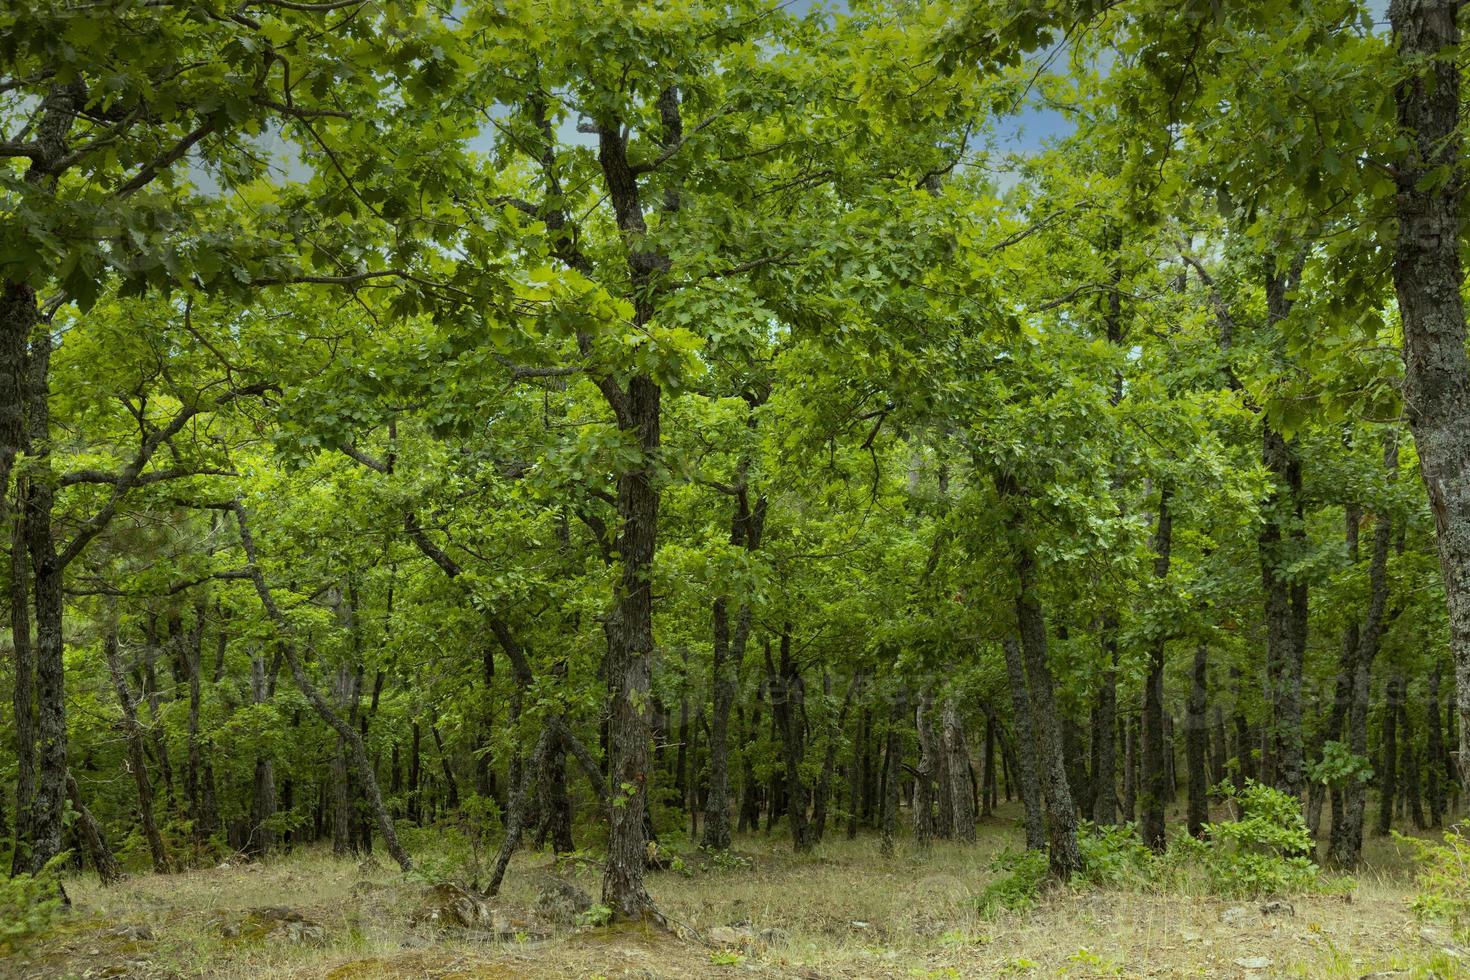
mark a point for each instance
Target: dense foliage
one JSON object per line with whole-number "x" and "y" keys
{"x": 608, "y": 427}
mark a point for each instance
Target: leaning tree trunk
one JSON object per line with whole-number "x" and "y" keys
{"x": 367, "y": 778}
{"x": 137, "y": 755}
{"x": 1063, "y": 855}
{"x": 1428, "y": 277}
{"x": 1155, "y": 773}
{"x": 1030, "y": 782}
{"x": 93, "y": 835}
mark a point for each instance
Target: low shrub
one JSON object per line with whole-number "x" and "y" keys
{"x": 30, "y": 905}
{"x": 1265, "y": 851}
{"x": 1018, "y": 890}
{"x": 1114, "y": 855}
{"x": 1443, "y": 879}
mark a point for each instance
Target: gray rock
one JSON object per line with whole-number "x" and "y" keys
{"x": 562, "y": 902}
{"x": 274, "y": 923}
{"x": 448, "y": 906}
{"x": 1238, "y": 916}
{"x": 1253, "y": 963}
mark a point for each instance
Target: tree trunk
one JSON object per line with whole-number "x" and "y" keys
{"x": 133, "y": 732}
{"x": 788, "y": 701}
{"x": 1434, "y": 749}
{"x": 1409, "y": 763}
{"x": 856, "y": 764}
{"x": 1104, "y": 727}
{"x": 95, "y": 837}
{"x": 25, "y": 710}
{"x": 1196, "y": 738}
{"x": 1428, "y": 278}
{"x": 263, "y": 795}
{"x": 516, "y": 812}
{"x": 1064, "y": 858}
{"x": 1155, "y": 777}
{"x": 1130, "y": 767}
{"x": 961, "y": 792}
{"x": 1389, "y": 787}
{"x": 47, "y": 805}
{"x": 1346, "y": 842}
{"x": 835, "y": 725}
{"x": 892, "y": 772}
{"x": 1025, "y": 731}
{"x": 924, "y": 772}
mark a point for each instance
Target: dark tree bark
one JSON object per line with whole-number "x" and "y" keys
{"x": 729, "y": 652}
{"x": 924, "y": 771}
{"x": 856, "y": 765}
{"x": 47, "y": 567}
{"x": 1155, "y": 775}
{"x": 516, "y": 813}
{"x": 93, "y": 836}
{"x": 1434, "y": 749}
{"x": 1428, "y": 277}
{"x": 835, "y": 726}
{"x": 893, "y": 771}
{"x": 1389, "y": 786}
{"x": 25, "y": 710}
{"x": 1025, "y": 732}
{"x": 1243, "y": 741}
{"x": 137, "y": 762}
{"x": 263, "y": 793}
{"x": 1346, "y": 842}
{"x": 1104, "y": 727}
{"x": 788, "y": 705}
{"x": 198, "y": 788}
{"x": 1130, "y": 767}
{"x": 1409, "y": 763}
{"x": 987, "y": 780}
{"x": 1196, "y": 738}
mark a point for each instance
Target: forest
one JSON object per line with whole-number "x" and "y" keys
{"x": 675, "y": 488}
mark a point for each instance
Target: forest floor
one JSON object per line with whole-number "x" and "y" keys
{"x": 843, "y": 912}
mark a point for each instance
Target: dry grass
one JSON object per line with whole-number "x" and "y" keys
{"x": 843, "y": 911}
